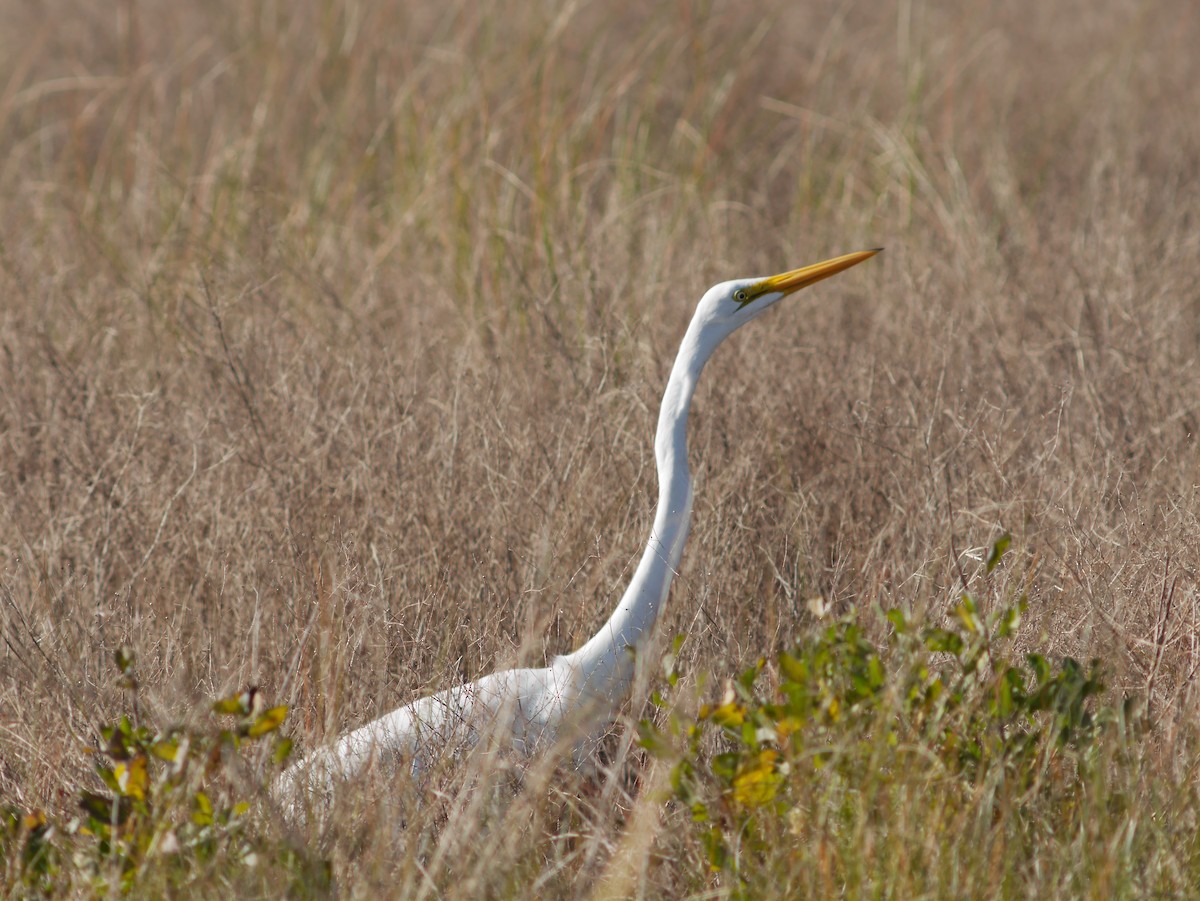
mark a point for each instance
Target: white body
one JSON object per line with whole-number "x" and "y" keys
{"x": 580, "y": 691}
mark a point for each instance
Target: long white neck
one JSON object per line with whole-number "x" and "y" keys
{"x": 605, "y": 664}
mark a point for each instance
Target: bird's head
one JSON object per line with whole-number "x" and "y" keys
{"x": 730, "y": 305}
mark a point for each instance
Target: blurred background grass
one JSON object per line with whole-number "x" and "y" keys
{"x": 333, "y": 333}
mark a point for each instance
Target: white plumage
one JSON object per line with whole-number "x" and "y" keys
{"x": 578, "y": 692}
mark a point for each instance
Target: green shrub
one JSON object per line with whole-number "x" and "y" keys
{"x": 176, "y": 811}
{"x": 856, "y": 738}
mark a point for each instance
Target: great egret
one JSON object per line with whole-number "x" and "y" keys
{"x": 582, "y": 690}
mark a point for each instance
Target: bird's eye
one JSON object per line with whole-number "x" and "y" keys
{"x": 740, "y": 295}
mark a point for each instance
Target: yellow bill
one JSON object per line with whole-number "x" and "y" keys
{"x": 787, "y": 282}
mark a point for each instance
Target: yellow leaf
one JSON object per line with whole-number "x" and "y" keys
{"x": 132, "y": 778}
{"x": 966, "y": 613}
{"x": 787, "y": 725}
{"x": 758, "y": 784}
{"x": 202, "y": 814}
{"x": 268, "y": 721}
{"x": 731, "y": 714}
{"x": 166, "y": 749}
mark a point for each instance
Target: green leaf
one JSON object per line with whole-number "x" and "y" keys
{"x": 670, "y": 663}
{"x": 682, "y": 775}
{"x": 998, "y": 550}
{"x": 1040, "y": 667}
{"x": 235, "y": 705}
{"x": 896, "y": 617}
{"x": 714, "y": 846}
{"x": 793, "y": 669}
{"x": 1010, "y": 620}
{"x": 1004, "y": 697}
{"x": 942, "y": 640}
{"x": 124, "y": 658}
{"x": 652, "y": 739}
{"x": 875, "y": 672}
{"x": 283, "y": 750}
{"x": 724, "y": 766}
{"x": 108, "y": 777}
{"x": 749, "y": 734}
{"x": 1016, "y": 683}
{"x": 933, "y": 691}
{"x": 117, "y": 740}
{"x": 968, "y": 616}
{"x": 101, "y": 808}
{"x": 745, "y": 682}
{"x": 202, "y": 812}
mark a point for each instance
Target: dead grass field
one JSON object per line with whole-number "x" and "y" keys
{"x": 332, "y": 337}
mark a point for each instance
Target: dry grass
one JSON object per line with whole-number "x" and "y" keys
{"x": 332, "y": 337}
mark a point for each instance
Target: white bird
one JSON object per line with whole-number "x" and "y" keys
{"x": 578, "y": 692}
